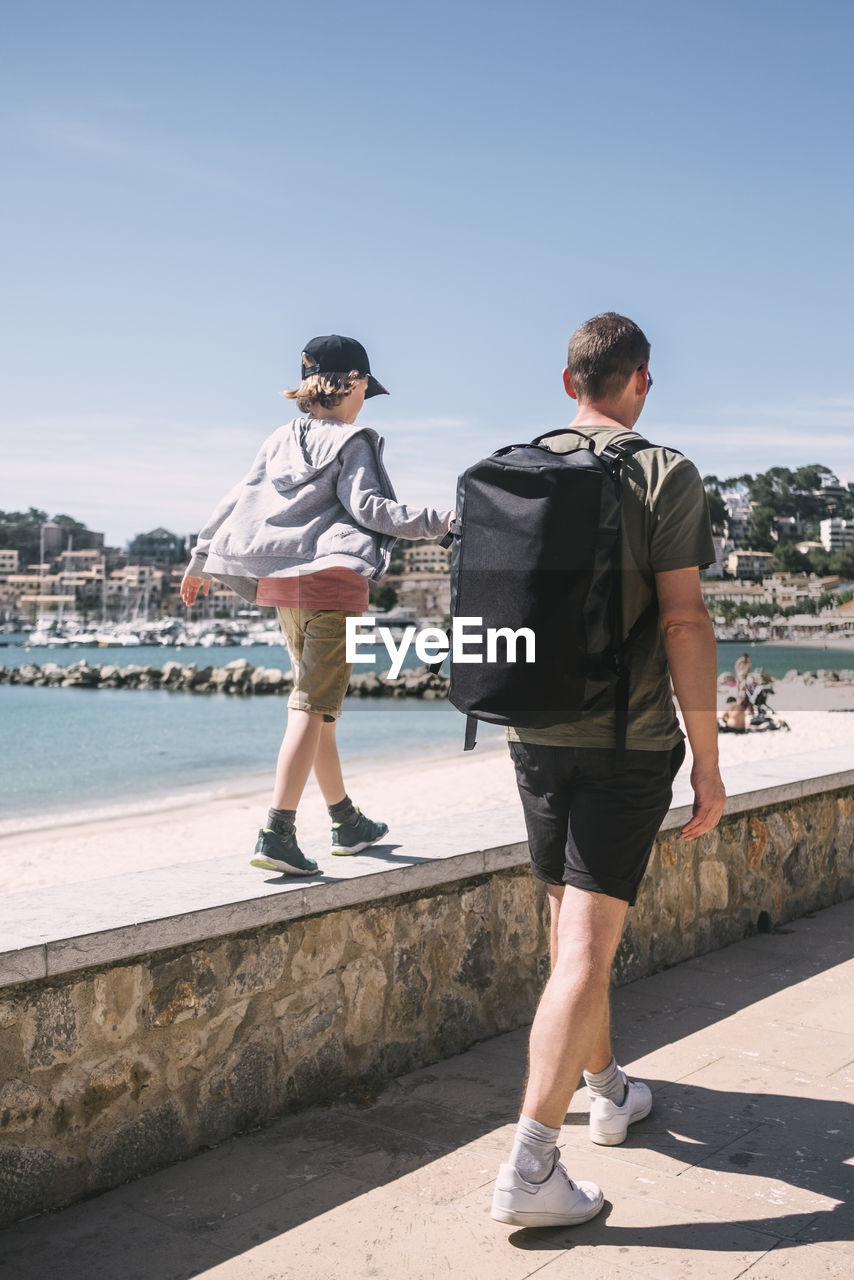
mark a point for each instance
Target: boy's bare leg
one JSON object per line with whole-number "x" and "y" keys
{"x": 568, "y": 1028}
{"x": 327, "y": 765}
{"x": 296, "y": 757}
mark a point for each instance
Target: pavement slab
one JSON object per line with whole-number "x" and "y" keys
{"x": 744, "y": 1169}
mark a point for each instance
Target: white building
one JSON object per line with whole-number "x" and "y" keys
{"x": 749, "y": 564}
{"x": 722, "y": 548}
{"x": 9, "y": 561}
{"x": 427, "y": 557}
{"x": 836, "y": 533}
{"x": 739, "y": 512}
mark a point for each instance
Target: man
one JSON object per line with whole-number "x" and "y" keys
{"x": 590, "y": 826}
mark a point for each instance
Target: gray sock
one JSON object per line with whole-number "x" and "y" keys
{"x": 534, "y": 1153}
{"x": 344, "y": 811}
{"x": 282, "y": 821}
{"x": 610, "y": 1083}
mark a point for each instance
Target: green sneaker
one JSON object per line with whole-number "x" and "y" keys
{"x": 353, "y": 837}
{"x": 274, "y": 852}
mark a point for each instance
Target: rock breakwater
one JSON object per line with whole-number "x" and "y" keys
{"x": 238, "y": 678}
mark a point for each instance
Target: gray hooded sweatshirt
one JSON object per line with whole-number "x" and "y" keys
{"x": 316, "y": 497}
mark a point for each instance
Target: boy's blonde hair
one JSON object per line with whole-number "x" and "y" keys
{"x": 325, "y": 389}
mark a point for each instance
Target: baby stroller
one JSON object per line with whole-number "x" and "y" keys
{"x": 755, "y": 689}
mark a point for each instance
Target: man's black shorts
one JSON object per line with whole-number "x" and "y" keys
{"x": 588, "y": 825}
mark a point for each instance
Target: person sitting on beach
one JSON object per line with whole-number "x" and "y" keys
{"x": 733, "y": 718}
{"x": 310, "y": 525}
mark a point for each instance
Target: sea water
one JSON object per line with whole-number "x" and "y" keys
{"x": 65, "y": 749}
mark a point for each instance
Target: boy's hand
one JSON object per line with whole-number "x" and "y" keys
{"x": 191, "y": 587}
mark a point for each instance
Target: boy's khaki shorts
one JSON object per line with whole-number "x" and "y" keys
{"x": 316, "y": 644}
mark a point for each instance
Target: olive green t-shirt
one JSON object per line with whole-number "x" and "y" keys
{"x": 665, "y": 525}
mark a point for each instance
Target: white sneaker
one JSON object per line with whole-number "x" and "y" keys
{"x": 557, "y": 1202}
{"x": 609, "y": 1123}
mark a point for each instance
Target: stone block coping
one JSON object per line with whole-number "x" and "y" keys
{"x": 50, "y": 932}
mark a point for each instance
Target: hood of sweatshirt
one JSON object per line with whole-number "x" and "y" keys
{"x": 301, "y": 449}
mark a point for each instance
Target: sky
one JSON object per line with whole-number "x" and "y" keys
{"x": 194, "y": 188}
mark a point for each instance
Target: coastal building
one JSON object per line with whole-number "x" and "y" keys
{"x": 790, "y": 528}
{"x": 722, "y": 548}
{"x": 133, "y": 593}
{"x": 158, "y": 547}
{"x": 836, "y": 533}
{"x": 52, "y": 537}
{"x": 427, "y": 595}
{"x": 9, "y": 563}
{"x": 80, "y": 561}
{"x": 789, "y": 590}
{"x": 427, "y": 557}
{"x": 782, "y": 590}
{"x": 830, "y": 490}
{"x": 739, "y": 512}
{"x": 736, "y": 591}
{"x": 749, "y": 564}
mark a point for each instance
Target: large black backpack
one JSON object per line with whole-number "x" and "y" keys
{"x": 536, "y": 545}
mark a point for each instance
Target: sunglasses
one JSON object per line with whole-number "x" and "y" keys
{"x": 648, "y": 378}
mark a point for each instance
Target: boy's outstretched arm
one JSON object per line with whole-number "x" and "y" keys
{"x": 360, "y": 489}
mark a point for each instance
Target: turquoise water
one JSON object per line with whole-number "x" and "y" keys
{"x": 777, "y": 659}
{"x": 66, "y": 749}
{"x": 82, "y": 748}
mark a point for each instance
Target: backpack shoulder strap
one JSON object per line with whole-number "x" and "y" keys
{"x": 563, "y": 431}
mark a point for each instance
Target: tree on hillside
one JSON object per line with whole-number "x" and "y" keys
{"x": 19, "y": 531}
{"x": 73, "y": 529}
{"x": 762, "y": 529}
{"x": 809, "y": 477}
{"x": 717, "y": 510}
{"x": 842, "y": 562}
{"x": 787, "y": 559}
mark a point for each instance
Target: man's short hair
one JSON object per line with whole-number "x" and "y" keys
{"x": 603, "y": 354}
{"x": 325, "y": 389}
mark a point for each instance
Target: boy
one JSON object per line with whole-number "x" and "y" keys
{"x": 305, "y": 531}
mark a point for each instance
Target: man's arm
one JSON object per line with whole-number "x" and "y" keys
{"x": 689, "y": 643}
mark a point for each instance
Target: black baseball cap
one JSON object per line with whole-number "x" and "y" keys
{"x": 334, "y": 354}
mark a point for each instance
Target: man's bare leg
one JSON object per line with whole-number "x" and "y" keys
{"x": 602, "y": 1052}
{"x": 533, "y": 1188}
{"x": 555, "y": 893}
{"x": 568, "y": 1027}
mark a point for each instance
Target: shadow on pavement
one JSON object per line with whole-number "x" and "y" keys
{"x": 201, "y": 1213}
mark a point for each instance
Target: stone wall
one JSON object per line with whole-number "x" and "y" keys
{"x": 757, "y": 869}
{"x": 111, "y": 1072}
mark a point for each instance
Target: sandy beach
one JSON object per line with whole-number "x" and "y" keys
{"x": 201, "y": 825}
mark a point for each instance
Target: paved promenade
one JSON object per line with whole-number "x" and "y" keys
{"x": 744, "y": 1169}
